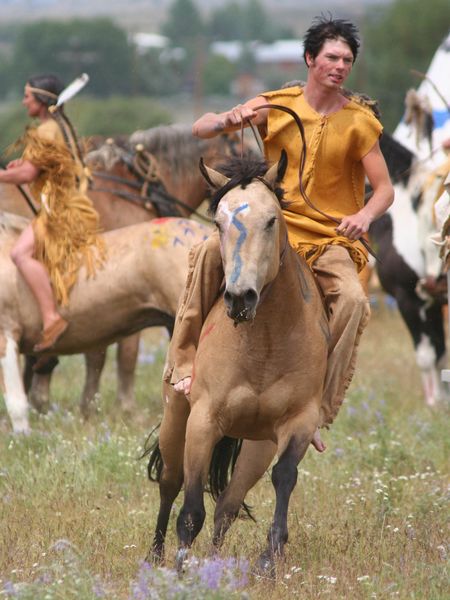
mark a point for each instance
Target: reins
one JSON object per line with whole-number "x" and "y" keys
{"x": 152, "y": 190}
{"x": 301, "y": 169}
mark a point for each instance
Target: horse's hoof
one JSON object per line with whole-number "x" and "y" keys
{"x": 155, "y": 557}
{"x": 181, "y": 558}
{"x": 265, "y": 566}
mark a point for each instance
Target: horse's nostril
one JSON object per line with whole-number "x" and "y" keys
{"x": 228, "y": 298}
{"x": 250, "y": 298}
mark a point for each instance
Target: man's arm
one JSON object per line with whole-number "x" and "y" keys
{"x": 212, "y": 124}
{"x": 19, "y": 172}
{"x": 354, "y": 226}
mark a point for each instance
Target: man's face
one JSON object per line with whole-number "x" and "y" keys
{"x": 332, "y": 65}
{"x": 32, "y": 105}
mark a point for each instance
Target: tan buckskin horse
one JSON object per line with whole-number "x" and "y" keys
{"x": 258, "y": 374}
{"x": 139, "y": 286}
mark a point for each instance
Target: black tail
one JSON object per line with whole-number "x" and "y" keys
{"x": 155, "y": 463}
{"x": 222, "y": 465}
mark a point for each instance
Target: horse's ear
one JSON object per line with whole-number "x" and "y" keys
{"x": 214, "y": 178}
{"x": 276, "y": 172}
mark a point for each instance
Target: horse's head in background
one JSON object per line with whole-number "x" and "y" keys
{"x": 246, "y": 207}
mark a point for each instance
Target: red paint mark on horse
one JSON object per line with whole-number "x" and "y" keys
{"x": 207, "y": 331}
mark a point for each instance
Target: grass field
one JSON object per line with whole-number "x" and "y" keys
{"x": 368, "y": 518}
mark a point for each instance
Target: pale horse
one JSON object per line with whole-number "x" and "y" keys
{"x": 138, "y": 286}
{"x": 129, "y": 186}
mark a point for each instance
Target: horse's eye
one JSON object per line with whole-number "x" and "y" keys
{"x": 270, "y": 223}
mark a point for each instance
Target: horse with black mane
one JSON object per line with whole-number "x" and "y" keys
{"x": 272, "y": 318}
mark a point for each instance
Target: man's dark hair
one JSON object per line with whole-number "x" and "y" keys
{"x": 323, "y": 29}
{"x": 49, "y": 83}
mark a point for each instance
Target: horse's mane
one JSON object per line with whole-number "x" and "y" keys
{"x": 241, "y": 171}
{"x": 105, "y": 156}
{"x": 398, "y": 158}
{"x": 176, "y": 148}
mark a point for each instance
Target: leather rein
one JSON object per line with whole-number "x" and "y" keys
{"x": 301, "y": 169}
{"x": 152, "y": 192}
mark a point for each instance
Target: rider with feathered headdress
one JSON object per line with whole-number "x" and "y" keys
{"x": 64, "y": 234}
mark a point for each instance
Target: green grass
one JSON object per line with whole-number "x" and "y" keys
{"x": 368, "y": 518}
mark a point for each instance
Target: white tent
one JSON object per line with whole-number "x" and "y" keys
{"x": 436, "y": 89}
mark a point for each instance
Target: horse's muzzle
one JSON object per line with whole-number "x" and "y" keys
{"x": 241, "y": 307}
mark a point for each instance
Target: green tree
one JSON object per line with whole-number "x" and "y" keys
{"x": 218, "y": 75}
{"x": 90, "y": 116}
{"x": 249, "y": 21}
{"x": 401, "y": 37}
{"x": 69, "y": 48}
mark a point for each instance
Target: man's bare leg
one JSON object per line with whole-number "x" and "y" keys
{"x": 184, "y": 386}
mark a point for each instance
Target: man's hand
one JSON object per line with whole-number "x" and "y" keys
{"x": 183, "y": 386}
{"x": 354, "y": 226}
{"x": 237, "y": 115}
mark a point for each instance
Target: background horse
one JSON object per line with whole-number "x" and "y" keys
{"x": 131, "y": 187}
{"x": 139, "y": 286}
{"x": 409, "y": 261}
{"x": 261, "y": 381}
{"x": 402, "y": 251}
{"x": 165, "y": 180}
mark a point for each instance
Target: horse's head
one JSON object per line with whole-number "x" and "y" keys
{"x": 246, "y": 207}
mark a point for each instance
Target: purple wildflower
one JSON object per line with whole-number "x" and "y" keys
{"x": 9, "y": 589}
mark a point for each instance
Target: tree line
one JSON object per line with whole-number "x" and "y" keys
{"x": 397, "y": 37}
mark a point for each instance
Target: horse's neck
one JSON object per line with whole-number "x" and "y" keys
{"x": 189, "y": 189}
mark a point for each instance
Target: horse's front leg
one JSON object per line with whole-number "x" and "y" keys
{"x": 127, "y": 355}
{"x": 37, "y": 380}
{"x": 293, "y": 443}
{"x": 253, "y": 460}
{"x": 95, "y": 362}
{"x": 12, "y": 383}
{"x": 202, "y": 434}
{"x": 171, "y": 450}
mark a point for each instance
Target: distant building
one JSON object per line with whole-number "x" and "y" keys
{"x": 283, "y": 58}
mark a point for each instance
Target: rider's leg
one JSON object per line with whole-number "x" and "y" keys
{"x": 36, "y": 276}
{"x": 202, "y": 290}
{"x": 349, "y": 312}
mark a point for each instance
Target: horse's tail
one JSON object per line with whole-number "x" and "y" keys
{"x": 222, "y": 465}
{"x": 155, "y": 463}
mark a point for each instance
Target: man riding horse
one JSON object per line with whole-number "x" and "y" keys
{"x": 326, "y": 215}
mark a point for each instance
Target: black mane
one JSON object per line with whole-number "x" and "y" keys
{"x": 398, "y": 158}
{"x": 241, "y": 171}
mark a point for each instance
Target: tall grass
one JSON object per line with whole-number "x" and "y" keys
{"x": 367, "y": 519}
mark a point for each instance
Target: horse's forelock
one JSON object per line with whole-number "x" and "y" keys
{"x": 241, "y": 172}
